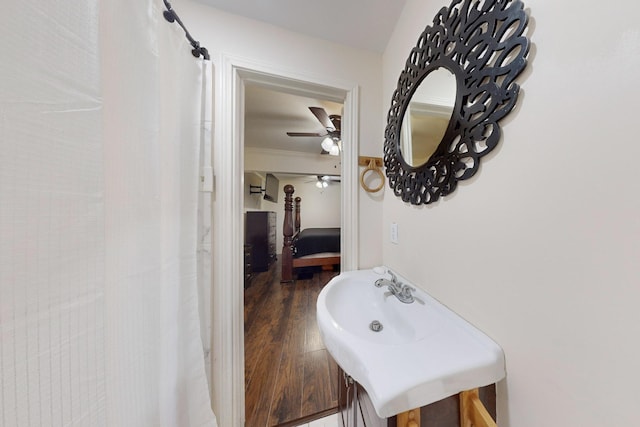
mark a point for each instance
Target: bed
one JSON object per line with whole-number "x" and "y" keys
{"x": 310, "y": 247}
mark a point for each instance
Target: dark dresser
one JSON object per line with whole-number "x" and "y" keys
{"x": 248, "y": 270}
{"x": 260, "y": 233}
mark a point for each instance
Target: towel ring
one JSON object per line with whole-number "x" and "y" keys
{"x": 372, "y": 166}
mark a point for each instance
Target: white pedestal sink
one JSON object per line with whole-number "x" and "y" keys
{"x": 423, "y": 353}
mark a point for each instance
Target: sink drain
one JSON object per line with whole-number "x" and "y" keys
{"x": 375, "y": 326}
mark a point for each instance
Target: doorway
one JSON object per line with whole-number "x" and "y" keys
{"x": 228, "y": 294}
{"x": 289, "y": 375}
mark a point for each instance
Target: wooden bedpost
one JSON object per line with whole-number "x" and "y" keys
{"x": 287, "y": 232}
{"x": 297, "y": 216}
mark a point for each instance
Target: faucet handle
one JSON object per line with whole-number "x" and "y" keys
{"x": 406, "y": 289}
{"x": 394, "y": 279}
{"x": 406, "y": 294}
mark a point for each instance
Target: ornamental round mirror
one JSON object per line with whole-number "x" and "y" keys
{"x": 427, "y": 117}
{"x": 479, "y": 46}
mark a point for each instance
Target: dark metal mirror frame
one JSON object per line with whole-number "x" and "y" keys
{"x": 482, "y": 44}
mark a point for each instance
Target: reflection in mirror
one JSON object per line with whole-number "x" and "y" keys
{"x": 427, "y": 117}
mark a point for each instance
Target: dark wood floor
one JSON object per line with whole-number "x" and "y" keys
{"x": 289, "y": 375}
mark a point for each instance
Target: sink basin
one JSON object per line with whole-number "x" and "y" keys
{"x": 422, "y": 353}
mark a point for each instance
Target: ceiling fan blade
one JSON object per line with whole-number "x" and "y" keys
{"x": 337, "y": 121}
{"x": 305, "y": 134}
{"x": 323, "y": 117}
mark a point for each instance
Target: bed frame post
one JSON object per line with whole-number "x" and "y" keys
{"x": 297, "y": 216}
{"x": 287, "y": 232}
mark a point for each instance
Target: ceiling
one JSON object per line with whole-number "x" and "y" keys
{"x": 362, "y": 24}
{"x": 269, "y": 115}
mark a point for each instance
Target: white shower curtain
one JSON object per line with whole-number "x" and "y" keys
{"x": 100, "y": 134}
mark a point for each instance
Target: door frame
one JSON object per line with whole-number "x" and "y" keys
{"x": 227, "y": 368}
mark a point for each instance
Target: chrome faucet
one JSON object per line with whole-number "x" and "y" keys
{"x": 400, "y": 290}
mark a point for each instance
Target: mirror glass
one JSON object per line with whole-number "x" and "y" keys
{"x": 427, "y": 117}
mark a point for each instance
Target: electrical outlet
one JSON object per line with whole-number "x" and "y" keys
{"x": 394, "y": 233}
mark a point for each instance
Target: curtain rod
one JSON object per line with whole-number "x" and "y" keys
{"x": 171, "y": 16}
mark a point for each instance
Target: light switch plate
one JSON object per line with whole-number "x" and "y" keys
{"x": 394, "y": 233}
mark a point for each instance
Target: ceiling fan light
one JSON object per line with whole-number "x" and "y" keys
{"x": 327, "y": 144}
{"x": 322, "y": 181}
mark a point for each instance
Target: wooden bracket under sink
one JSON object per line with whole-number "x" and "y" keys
{"x": 472, "y": 413}
{"x": 409, "y": 419}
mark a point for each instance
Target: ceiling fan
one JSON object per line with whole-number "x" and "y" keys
{"x": 323, "y": 181}
{"x": 332, "y": 143}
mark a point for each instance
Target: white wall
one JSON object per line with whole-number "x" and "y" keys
{"x": 321, "y": 208}
{"x": 238, "y": 37}
{"x": 233, "y": 40}
{"x": 541, "y": 250}
{"x": 253, "y": 201}
{"x": 318, "y": 207}
{"x": 292, "y": 162}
